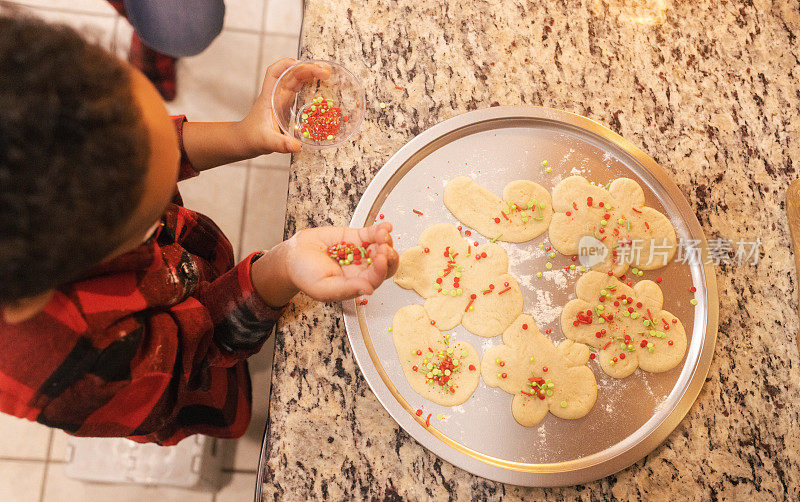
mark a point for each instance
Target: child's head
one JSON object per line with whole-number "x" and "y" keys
{"x": 88, "y": 157}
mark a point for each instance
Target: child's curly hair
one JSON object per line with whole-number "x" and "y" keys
{"x": 73, "y": 155}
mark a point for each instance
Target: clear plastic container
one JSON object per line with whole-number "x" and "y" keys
{"x": 320, "y": 103}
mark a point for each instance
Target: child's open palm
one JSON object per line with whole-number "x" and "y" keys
{"x": 315, "y": 273}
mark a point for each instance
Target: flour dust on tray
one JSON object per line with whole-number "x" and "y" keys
{"x": 461, "y": 283}
{"x": 523, "y": 213}
{"x": 626, "y": 325}
{"x": 440, "y": 370}
{"x": 540, "y": 376}
{"x": 613, "y": 223}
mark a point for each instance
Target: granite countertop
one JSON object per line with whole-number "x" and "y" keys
{"x": 709, "y": 88}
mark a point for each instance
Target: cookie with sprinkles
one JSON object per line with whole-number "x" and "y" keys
{"x": 461, "y": 283}
{"x": 523, "y": 213}
{"x": 616, "y": 217}
{"x": 542, "y": 377}
{"x": 439, "y": 369}
{"x": 627, "y": 326}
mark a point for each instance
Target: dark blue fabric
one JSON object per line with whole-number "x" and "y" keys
{"x": 177, "y": 28}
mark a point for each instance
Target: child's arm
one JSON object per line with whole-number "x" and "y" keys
{"x": 211, "y": 144}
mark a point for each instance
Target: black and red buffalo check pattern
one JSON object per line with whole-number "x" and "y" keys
{"x": 150, "y": 345}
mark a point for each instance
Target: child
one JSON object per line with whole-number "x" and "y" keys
{"x": 123, "y": 313}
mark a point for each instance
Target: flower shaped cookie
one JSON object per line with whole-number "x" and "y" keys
{"x": 627, "y": 325}
{"x": 616, "y": 218}
{"x": 461, "y": 284}
{"x": 443, "y": 372}
{"x": 541, "y": 376}
{"x": 523, "y": 213}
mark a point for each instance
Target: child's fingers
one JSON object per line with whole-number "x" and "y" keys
{"x": 338, "y": 287}
{"x": 376, "y": 273}
{"x": 379, "y": 234}
{"x": 274, "y": 71}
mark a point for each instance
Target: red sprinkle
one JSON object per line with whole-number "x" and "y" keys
{"x": 658, "y": 279}
{"x": 622, "y": 356}
{"x": 669, "y": 342}
{"x": 426, "y": 250}
{"x": 591, "y": 356}
{"x": 643, "y": 344}
{"x": 398, "y": 88}
{"x": 693, "y": 289}
{"x": 636, "y": 210}
{"x": 504, "y": 375}
{"x": 419, "y": 413}
{"x": 588, "y": 201}
{"x": 414, "y": 368}
{"x": 569, "y": 214}
{"x": 497, "y": 220}
{"x": 544, "y": 369}
{"x": 527, "y": 393}
{"x": 548, "y": 331}
{"x": 428, "y": 420}
{"x": 472, "y": 367}
{"x": 467, "y": 233}
{"x": 483, "y": 255}
{"x": 363, "y": 302}
{"x": 501, "y": 292}
{"x": 433, "y": 323}
{"x": 417, "y": 212}
{"x": 524, "y": 326}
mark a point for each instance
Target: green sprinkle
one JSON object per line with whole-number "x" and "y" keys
{"x": 693, "y": 301}
{"x": 497, "y": 361}
{"x": 635, "y": 315}
{"x": 582, "y": 268}
{"x": 382, "y": 105}
{"x": 453, "y": 292}
{"x": 572, "y": 267}
{"x": 603, "y": 292}
{"x": 495, "y": 239}
{"x": 389, "y": 329}
{"x": 304, "y": 116}
{"x": 429, "y": 366}
{"x": 439, "y": 416}
{"x": 647, "y": 322}
{"x": 650, "y": 349}
{"x": 531, "y": 359}
{"x": 603, "y": 222}
{"x": 441, "y": 273}
{"x": 563, "y": 404}
{"x": 541, "y": 246}
{"x": 541, "y": 205}
{"x": 538, "y": 274}
{"x": 548, "y": 169}
{"x": 552, "y": 255}
{"x": 548, "y": 265}
{"x": 544, "y": 162}
{"x": 330, "y": 137}
{"x": 549, "y": 392}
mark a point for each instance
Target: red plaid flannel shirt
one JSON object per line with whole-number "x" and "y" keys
{"x": 150, "y": 345}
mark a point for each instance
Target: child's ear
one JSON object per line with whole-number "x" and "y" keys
{"x": 24, "y": 309}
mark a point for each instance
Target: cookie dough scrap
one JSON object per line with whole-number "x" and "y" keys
{"x": 626, "y": 325}
{"x": 523, "y": 213}
{"x": 461, "y": 283}
{"x": 439, "y": 370}
{"x": 540, "y": 376}
{"x": 632, "y": 233}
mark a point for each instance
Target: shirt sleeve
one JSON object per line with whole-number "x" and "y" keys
{"x": 186, "y": 170}
{"x": 161, "y": 374}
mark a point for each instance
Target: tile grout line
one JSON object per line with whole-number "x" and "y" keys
{"x": 46, "y": 466}
{"x": 256, "y": 88}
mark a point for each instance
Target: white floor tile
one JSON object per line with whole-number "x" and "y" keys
{"x": 87, "y": 6}
{"x": 22, "y": 438}
{"x": 96, "y": 29}
{"x": 58, "y": 488}
{"x": 266, "y": 209}
{"x": 241, "y": 488}
{"x": 246, "y": 450}
{"x": 284, "y": 16}
{"x": 244, "y": 14}
{"x": 21, "y": 481}
{"x": 219, "y": 194}
{"x": 218, "y": 84}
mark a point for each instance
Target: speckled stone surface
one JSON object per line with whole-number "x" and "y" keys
{"x": 711, "y": 91}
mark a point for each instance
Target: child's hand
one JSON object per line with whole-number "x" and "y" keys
{"x": 315, "y": 273}
{"x": 302, "y": 264}
{"x": 259, "y": 126}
